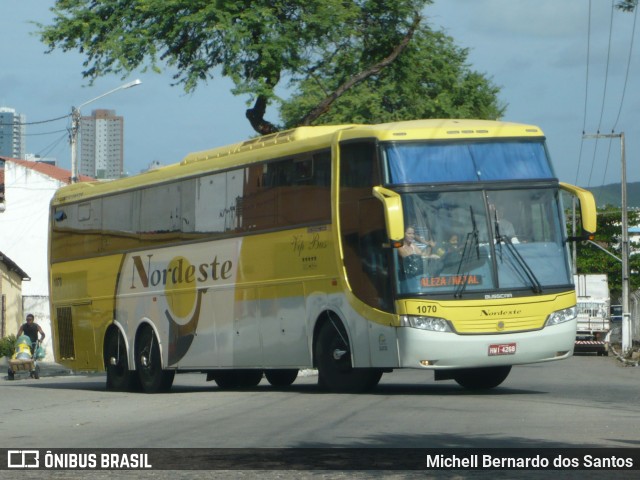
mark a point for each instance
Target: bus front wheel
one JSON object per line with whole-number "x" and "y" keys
{"x": 119, "y": 377}
{"x": 333, "y": 359}
{"x": 481, "y": 378}
{"x": 152, "y": 377}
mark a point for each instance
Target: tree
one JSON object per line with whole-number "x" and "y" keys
{"x": 431, "y": 79}
{"x": 591, "y": 259}
{"x": 254, "y": 42}
{"x": 627, "y": 5}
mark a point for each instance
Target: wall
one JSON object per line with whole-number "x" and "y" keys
{"x": 23, "y": 238}
{"x": 24, "y": 223}
{"x": 11, "y": 287}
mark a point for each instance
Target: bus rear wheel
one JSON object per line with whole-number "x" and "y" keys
{"x": 481, "y": 378}
{"x": 333, "y": 359}
{"x": 241, "y": 378}
{"x": 281, "y": 377}
{"x": 119, "y": 377}
{"x": 153, "y": 378}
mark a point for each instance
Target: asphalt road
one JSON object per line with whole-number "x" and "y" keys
{"x": 586, "y": 401}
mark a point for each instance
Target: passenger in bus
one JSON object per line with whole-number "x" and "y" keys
{"x": 414, "y": 255}
{"x": 450, "y": 246}
{"x": 450, "y": 253}
{"x": 504, "y": 226}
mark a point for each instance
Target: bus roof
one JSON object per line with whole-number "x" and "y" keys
{"x": 298, "y": 140}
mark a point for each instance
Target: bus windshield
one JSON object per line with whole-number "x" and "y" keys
{"x": 440, "y": 162}
{"x": 491, "y": 242}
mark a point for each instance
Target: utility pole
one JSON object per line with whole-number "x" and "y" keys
{"x": 624, "y": 243}
{"x": 75, "y": 126}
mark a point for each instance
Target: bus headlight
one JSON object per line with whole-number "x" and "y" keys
{"x": 433, "y": 324}
{"x": 562, "y": 316}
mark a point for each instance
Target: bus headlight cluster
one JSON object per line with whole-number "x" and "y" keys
{"x": 434, "y": 324}
{"x": 562, "y": 316}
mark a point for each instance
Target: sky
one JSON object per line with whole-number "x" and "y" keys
{"x": 561, "y": 65}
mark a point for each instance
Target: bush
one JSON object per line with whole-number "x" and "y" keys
{"x": 7, "y": 346}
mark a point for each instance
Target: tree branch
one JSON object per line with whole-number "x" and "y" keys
{"x": 255, "y": 116}
{"x": 324, "y": 105}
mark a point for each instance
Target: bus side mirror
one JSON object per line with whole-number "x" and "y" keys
{"x": 392, "y": 212}
{"x": 588, "y": 210}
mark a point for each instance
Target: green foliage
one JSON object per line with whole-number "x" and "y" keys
{"x": 254, "y": 42}
{"x": 591, "y": 259}
{"x": 430, "y": 79}
{"x": 627, "y": 5}
{"x": 404, "y": 70}
{"x": 7, "y": 346}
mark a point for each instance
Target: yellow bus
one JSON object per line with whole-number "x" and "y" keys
{"x": 329, "y": 247}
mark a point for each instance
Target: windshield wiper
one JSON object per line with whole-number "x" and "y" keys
{"x": 536, "y": 286}
{"x": 470, "y": 243}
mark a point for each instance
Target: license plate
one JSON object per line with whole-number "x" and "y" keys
{"x": 502, "y": 349}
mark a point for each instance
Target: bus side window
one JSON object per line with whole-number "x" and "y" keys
{"x": 286, "y": 193}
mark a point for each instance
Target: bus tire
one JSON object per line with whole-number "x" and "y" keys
{"x": 153, "y": 378}
{"x": 242, "y": 378}
{"x": 333, "y": 359}
{"x": 249, "y": 378}
{"x": 481, "y": 378}
{"x": 225, "y": 379}
{"x": 281, "y": 377}
{"x": 119, "y": 377}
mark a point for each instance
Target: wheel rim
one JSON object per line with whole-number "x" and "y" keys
{"x": 339, "y": 353}
{"x": 117, "y": 364}
{"x": 335, "y": 370}
{"x": 147, "y": 356}
{"x": 119, "y": 377}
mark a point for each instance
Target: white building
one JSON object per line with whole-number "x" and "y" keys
{"x": 12, "y": 133}
{"x": 24, "y": 215}
{"x": 102, "y": 145}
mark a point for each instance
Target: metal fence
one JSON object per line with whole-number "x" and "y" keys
{"x": 634, "y": 318}
{"x": 634, "y": 310}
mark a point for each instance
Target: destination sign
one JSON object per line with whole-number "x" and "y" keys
{"x": 450, "y": 281}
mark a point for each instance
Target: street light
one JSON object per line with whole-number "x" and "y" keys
{"x": 75, "y": 126}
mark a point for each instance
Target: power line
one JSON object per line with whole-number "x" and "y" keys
{"x": 606, "y": 165}
{"x": 586, "y": 92}
{"x": 35, "y": 123}
{"x": 49, "y": 148}
{"x": 626, "y": 77}
{"x": 624, "y": 88}
{"x": 604, "y": 90}
{"x": 606, "y": 72}
{"x": 44, "y": 133}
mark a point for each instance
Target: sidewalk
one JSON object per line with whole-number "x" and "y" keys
{"x": 47, "y": 369}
